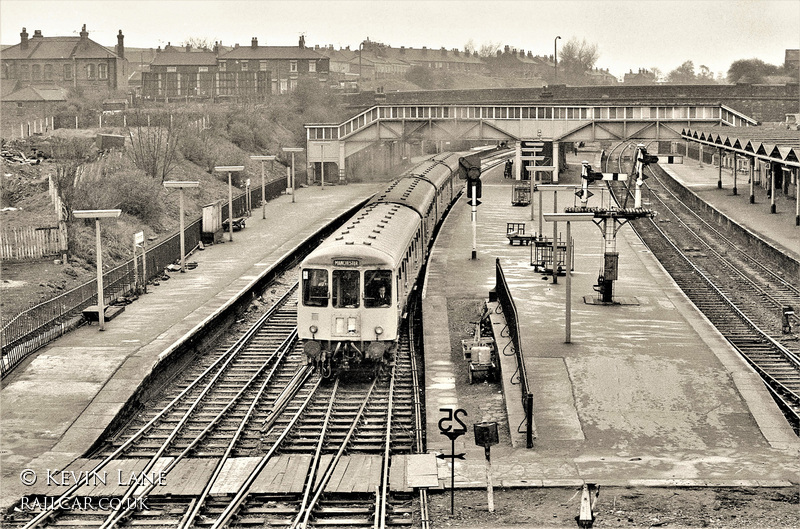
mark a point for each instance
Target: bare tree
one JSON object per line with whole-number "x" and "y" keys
{"x": 489, "y": 49}
{"x": 469, "y": 47}
{"x": 202, "y": 43}
{"x": 69, "y": 154}
{"x": 154, "y": 144}
{"x": 577, "y": 57}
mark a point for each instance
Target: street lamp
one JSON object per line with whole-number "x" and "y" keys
{"x": 263, "y": 159}
{"x": 555, "y": 57}
{"x": 229, "y": 169}
{"x": 180, "y": 184}
{"x": 292, "y": 150}
{"x": 98, "y": 214}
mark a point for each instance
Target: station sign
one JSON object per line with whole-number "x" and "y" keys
{"x": 346, "y": 262}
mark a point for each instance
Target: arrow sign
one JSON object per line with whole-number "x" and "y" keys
{"x": 589, "y": 194}
{"x": 451, "y": 456}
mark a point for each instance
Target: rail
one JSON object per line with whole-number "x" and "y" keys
{"x": 512, "y": 320}
{"x": 43, "y": 323}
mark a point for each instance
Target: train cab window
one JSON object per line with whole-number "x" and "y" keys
{"x": 346, "y": 288}
{"x": 377, "y": 288}
{"x": 315, "y": 287}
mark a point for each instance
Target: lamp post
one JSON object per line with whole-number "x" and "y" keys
{"x": 555, "y": 57}
{"x": 229, "y": 169}
{"x": 98, "y": 214}
{"x": 181, "y": 185}
{"x": 360, "y": 46}
{"x": 263, "y": 159}
{"x": 292, "y": 150}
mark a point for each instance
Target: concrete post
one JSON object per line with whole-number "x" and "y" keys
{"x": 752, "y": 179}
{"x": 555, "y": 161}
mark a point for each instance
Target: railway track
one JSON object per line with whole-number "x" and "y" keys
{"x": 256, "y": 399}
{"x": 739, "y": 294}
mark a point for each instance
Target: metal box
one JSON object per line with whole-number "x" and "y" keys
{"x": 486, "y": 434}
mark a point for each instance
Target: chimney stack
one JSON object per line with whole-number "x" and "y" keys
{"x": 254, "y": 43}
{"x": 120, "y": 45}
{"x": 84, "y": 34}
{"x": 37, "y": 34}
{"x": 23, "y": 42}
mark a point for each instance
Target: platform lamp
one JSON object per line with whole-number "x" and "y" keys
{"x": 292, "y": 150}
{"x": 181, "y": 184}
{"x": 263, "y": 159}
{"x": 98, "y": 214}
{"x": 229, "y": 169}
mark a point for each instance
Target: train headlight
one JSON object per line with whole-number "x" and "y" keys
{"x": 379, "y": 330}
{"x": 313, "y": 329}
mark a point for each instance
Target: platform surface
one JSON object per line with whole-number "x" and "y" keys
{"x": 645, "y": 394}
{"x": 56, "y": 403}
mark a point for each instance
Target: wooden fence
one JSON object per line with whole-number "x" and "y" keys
{"x": 19, "y": 244}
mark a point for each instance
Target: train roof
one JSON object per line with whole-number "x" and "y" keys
{"x": 434, "y": 171}
{"x": 409, "y": 191}
{"x": 378, "y": 234}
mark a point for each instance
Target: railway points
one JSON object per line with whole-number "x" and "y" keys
{"x": 58, "y": 403}
{"x": 648, "y": 394}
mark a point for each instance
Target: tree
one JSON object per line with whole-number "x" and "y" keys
{"x": 683, "y": 74}
{"x": 705, "y": 75}
{"x": 750, "y": 71}
{"x": 155, "y": 146}
{"x": 657, "y": 73}
{"x": 201, "y": 43}
{"x": 578, "y": 57}
{"x": 69, "y": 154}
{"x": 489, "y": 49}
{"x": 420, "y": 76}
{"x": 469, "y": 47}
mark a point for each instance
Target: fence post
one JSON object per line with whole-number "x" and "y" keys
{"x": 529, "y": 420}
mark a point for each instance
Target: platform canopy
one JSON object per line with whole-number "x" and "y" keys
{"x": 775, "y": 144}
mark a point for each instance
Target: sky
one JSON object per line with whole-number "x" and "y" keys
{"x": 629, "y": 34}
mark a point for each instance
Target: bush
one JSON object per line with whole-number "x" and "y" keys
{"x": 129, "y": 190}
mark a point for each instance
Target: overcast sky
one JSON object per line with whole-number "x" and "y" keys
{"x": 629, "y": 34}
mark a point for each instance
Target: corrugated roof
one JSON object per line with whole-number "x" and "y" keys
{"x": 271, "y": 52}
{"x": 178, "y": 58}
{"x": 778, "y": 143}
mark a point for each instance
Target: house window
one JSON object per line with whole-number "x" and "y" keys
{"x": 90, "y": 71}
{"x": 48, "y": 72}
{"x": 67, "y": 72}
{"x": 245, "y": 66}
{"x": 293, "y": 66}
{"x": 24, "y": 73}
{"x": 284, "y": 85}
{"x": 172, "y": 69}
{"x": 312, "y": 66}
{"x": 102, "y": 71}
{"x": 262, "y": 65}
{"x": 36, "y": 70}
{"x": 203, "y": 69}
{"x": 222, "y": 66}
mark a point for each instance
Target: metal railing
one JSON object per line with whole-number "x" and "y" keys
{"x": 512, "y": 321}
{"x": 43, "y": 323}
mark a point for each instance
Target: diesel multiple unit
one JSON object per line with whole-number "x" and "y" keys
{"x": 355, "y": 286}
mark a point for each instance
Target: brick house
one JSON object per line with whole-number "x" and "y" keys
{"x": 66, "y": 62}
{"x": 261, "y": 70}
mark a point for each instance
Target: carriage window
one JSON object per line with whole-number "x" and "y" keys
{"x": 377, "y": 288}
{"x": 346, "y": 288}
{"x": 315, "y": 288}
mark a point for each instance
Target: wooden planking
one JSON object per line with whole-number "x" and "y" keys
{"x": 325, "y": 460}
{"x": 188, "y": 478}
{"x": 233, "y": 474}
{"x": 397, "y": 473}
{"x": 356, "y": 473}
{"x": 282, "y": 474}
{"x": 421, "y": 471}
{"x": 338, "y": 473}
{"x": 298, "y": 480}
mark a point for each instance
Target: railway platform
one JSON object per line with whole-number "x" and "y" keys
{"x": 777, "y": 229}
{"x": 647, "y": 393}
{"x": 60, "y": 400}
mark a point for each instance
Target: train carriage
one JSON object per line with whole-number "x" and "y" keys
{"x": 355, "y": 285}
{"x": 354, "y": 288}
